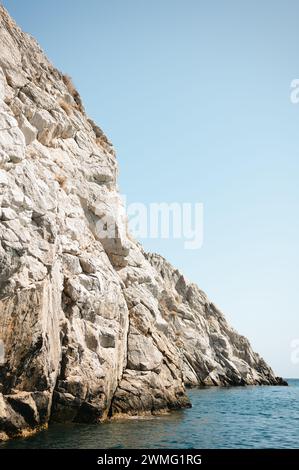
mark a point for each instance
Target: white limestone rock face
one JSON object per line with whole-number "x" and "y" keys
{"x": 92, "y": 327}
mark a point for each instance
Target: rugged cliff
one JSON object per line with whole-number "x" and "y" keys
{"x": 92, "y": 327}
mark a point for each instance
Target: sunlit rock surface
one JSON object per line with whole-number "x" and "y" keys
{"x": 92, "y": 327}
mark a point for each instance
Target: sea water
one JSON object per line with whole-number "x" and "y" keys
{"x": 221, "y": 417}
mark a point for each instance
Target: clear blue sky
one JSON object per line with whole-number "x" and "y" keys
{"x": 195, "y": 97}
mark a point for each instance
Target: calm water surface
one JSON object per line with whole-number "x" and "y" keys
{"x": 237, "y": 417}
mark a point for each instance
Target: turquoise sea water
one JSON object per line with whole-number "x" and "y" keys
{"x": 234, "y": 417}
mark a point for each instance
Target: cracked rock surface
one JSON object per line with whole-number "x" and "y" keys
{"x": 92, "y": 327}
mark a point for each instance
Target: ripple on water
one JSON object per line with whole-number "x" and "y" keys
{"x": 241, "y": 417}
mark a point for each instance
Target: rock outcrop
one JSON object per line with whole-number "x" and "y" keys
{"x": 90, "y": 325}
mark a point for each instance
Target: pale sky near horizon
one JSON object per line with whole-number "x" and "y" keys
{"x": 195, "y": 96}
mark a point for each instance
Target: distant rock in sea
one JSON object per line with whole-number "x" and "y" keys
{"x": 91, "y": 327}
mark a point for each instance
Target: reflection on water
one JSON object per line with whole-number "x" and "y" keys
{"x": 240, "y": 417}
